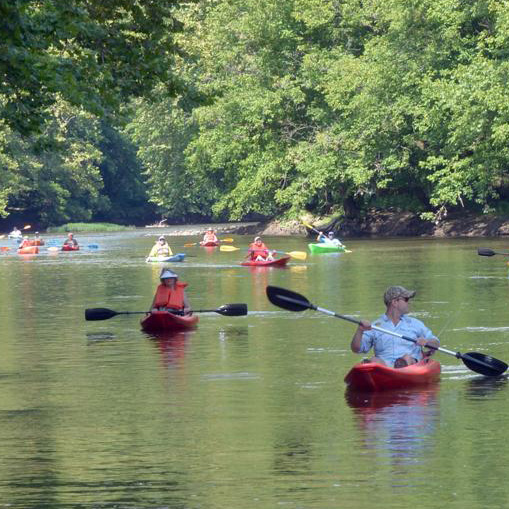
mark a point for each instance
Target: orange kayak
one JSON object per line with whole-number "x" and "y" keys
{"x": 28, "y": 250}
{"x": 159, "y": 321}
{"x": 377, "y": 377}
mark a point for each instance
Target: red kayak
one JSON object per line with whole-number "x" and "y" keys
{"x": 279, "y": 262}
{"x": 66, "y": 247}
{"x": 210, "y": 243}
{"x": 28, "y": 250}
{"x": 377, "y": 377}
{"x": 158, "y": 321}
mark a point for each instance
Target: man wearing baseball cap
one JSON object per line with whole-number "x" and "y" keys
{"x": 391, "y": 350}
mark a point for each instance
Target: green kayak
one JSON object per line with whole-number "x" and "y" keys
{"x": 323, "y": 247}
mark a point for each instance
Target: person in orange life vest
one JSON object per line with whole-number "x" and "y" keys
{"x": 70, "y": 241}
{"x": 25, "y": 243}
{"x": 171, "y": 295}
{"x": 258, "y": 251}
{"x": 210, "y": 236}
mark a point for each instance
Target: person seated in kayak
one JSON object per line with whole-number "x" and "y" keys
{"x": 71, "y": 241}
{"x": 259, "y": 252}
{"x": 25, "y": 243}
{"x": 210, "y": 236}
{"x": 389, "y": 349}
{"x": 160, "y": 248}
{"x": 329, "y": 239}
{"x": 171, "y": 295}
{"x": 15, "y": 232}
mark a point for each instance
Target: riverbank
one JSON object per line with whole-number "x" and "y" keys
{"x": 393, "y": 224}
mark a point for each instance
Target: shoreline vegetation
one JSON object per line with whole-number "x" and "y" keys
{"x": 373, "y": 224}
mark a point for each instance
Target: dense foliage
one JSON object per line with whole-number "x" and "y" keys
{"x": 64, "y": 66}
{"x": 329, "y": 106}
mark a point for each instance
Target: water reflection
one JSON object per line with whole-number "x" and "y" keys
{"x": 397, "y": 425}
{"x": 485, "y": 387}
{"x": 171, "y": 345}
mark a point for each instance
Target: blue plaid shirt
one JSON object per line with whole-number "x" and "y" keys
{"x": 389, "y": 348}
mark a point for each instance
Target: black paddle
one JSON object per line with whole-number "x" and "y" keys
{"x": 105, "y": 313}
{"x": 484, "y": 251}
{"x": 483, "y": 364}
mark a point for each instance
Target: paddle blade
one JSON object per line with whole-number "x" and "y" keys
{"x": 287, "y": 299}
{"x": 228, "y": 239}
{"x": 485, "y": 252}
{"x": 27, "y": 227}
{"x": 232, "y": 310}
{"x": 190, "y": 244}
{"x": 300, "y": 255}
{"x": 483, "y": 364}
{"x": 228, "y": 248}
{"x": 99, "y": 313}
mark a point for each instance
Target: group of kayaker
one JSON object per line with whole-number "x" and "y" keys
{"x": 387, "y": 349}
{"x": 69, "y": 244}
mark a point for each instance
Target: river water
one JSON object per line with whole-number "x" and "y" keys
{"x": 246, "y": 412}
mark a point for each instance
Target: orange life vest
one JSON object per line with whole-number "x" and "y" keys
{"x": 170, "y": 298}
{"x": 258, "y": 250}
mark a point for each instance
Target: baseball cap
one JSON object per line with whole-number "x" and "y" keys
{"x": 395, "y": 292}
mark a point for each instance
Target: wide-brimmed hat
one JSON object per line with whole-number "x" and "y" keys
{"x": 396, "y": 292}
{"x": 168, "y": 274}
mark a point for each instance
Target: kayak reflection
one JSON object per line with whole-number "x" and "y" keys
{"x": 396, "y": 424}
{"x": 171, "y": 345}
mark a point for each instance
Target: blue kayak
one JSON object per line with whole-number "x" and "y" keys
{"x": 179, "y": 257}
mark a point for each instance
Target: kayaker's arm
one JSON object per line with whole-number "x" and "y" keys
{"x": 187, "y": 305}
{"x": 357, "y": 337}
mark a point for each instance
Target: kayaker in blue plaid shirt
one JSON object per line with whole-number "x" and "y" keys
{"x": 391, "y": 350}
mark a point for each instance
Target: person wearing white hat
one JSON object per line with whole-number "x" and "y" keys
{"x": 160, "y": 248}
{"x": 210, "y": 236}
{"x": 171, "y": 295}
{"x": 388, "y": 349}
{"x": 258, "y": 251}
{"x": 329, "y": 239}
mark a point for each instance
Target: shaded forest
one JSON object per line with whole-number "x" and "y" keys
{"x": 130, "y": 111}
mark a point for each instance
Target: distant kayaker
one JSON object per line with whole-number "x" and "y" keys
{"x": 329, "y": 239}
{"x": 160, "y": 248}
{"x": 210, "y": 236}
{"x": 25, "y": 243}
{"x": 390, "y": 350}
{"x": 171, "y": 295}
{"x": 15, "y": 234}
{"x": 71, "y": 241}
{"x": 258, "y": 251}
